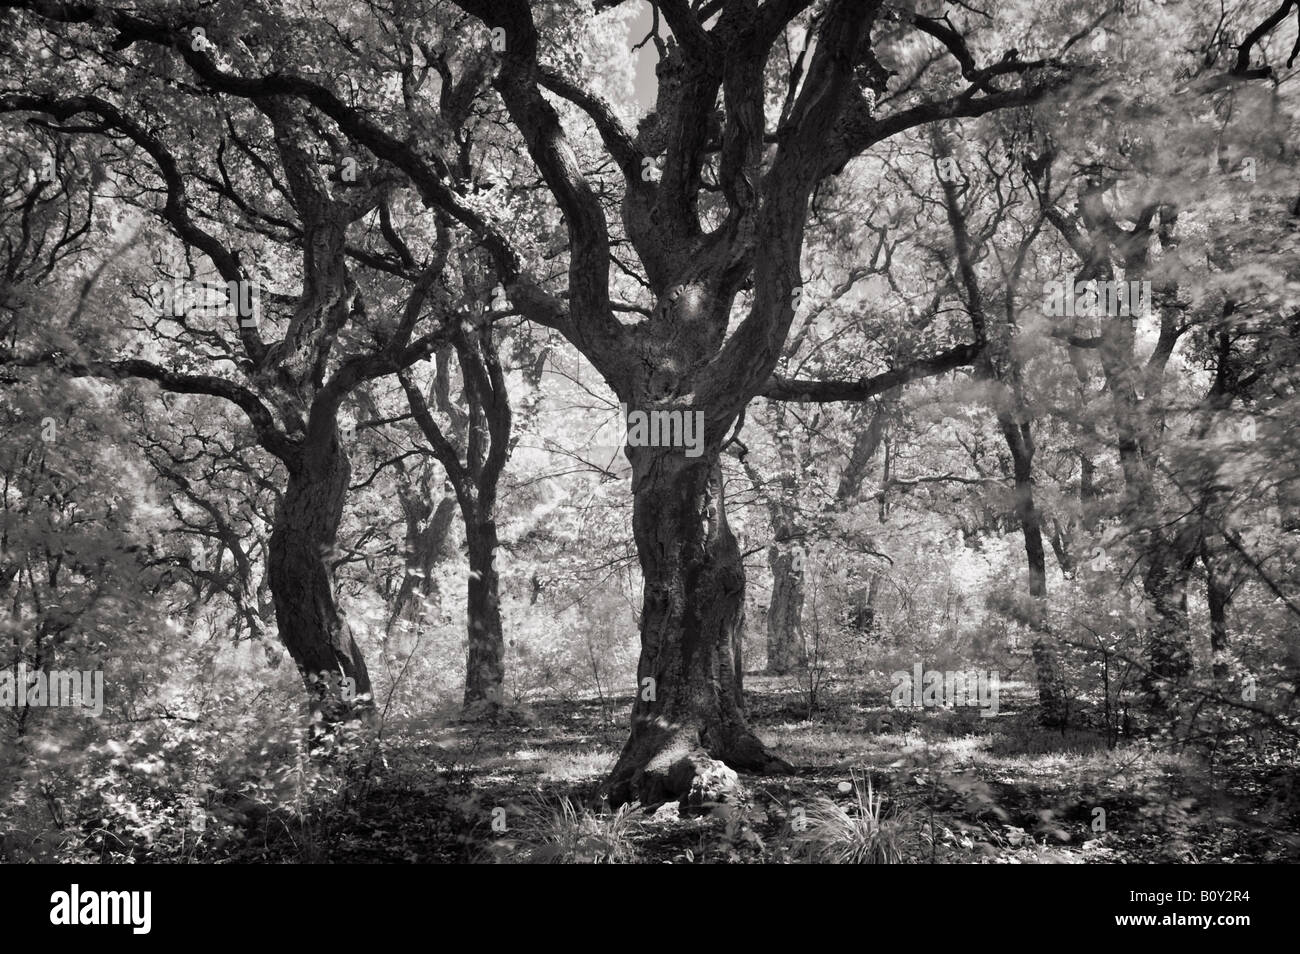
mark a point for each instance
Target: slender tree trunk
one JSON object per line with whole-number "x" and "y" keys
{"x": 687, "y": 718}
{"x": 311, "y": 625}
{"x": 1000, "y": 363}
{"x": 1165, "y": 587}
{"x": 1051, "y": 682}
{"x": 485, "y": 663}
{"x": 866, "y": 612}
{"x": 786, "y": 650}
{"x": 1059, "y": 538}
{"x": 425, "y": 547}
{"x": 1217, "y": 596}
{"x": 484, "y": 431}
{"x": 1088, "y": 493}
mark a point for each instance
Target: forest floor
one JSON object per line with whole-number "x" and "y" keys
{"x": 991, "y": 790}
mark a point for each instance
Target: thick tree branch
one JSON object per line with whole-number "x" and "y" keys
{"x": 268, "y": 435}
{"x": 808, "y": 391}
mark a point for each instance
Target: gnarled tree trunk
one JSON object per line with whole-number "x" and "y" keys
{"x": 311, "y": 625}
{"x": 687, "y": 719}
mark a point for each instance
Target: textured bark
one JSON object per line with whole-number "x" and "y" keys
{"x": 688, "y": 715}
{"x": 311, "y": 625}
{"x": 427, "y": 531}
{"x": 738, "y": 658}
{"x": 485, "y": 662}
{"x": 786, "y": 649}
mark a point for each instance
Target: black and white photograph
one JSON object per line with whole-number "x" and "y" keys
{"x": 690, "y": 432}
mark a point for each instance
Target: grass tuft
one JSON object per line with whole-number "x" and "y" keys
{"x": 570, "y": 834}
{"x": 865, "y": 834}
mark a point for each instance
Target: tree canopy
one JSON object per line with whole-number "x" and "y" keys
{"x": 695, "y": 367}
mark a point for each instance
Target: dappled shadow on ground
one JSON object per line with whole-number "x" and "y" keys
{"x": 952, "y": 787}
